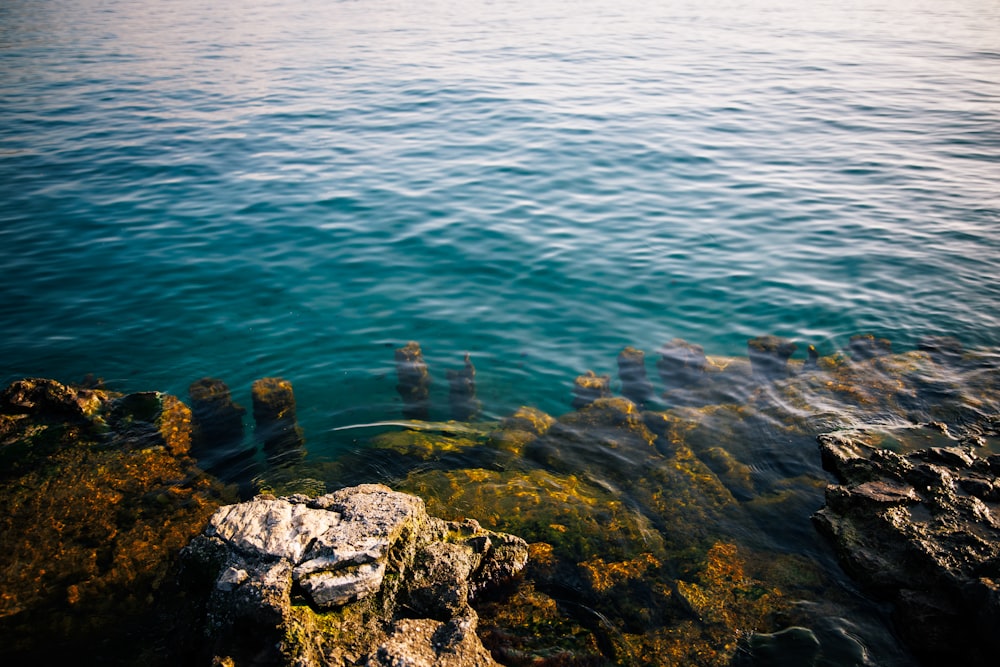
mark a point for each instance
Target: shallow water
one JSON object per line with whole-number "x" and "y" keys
{"x": 295, "y": 190}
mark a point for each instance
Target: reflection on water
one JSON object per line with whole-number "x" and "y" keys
{"x": 683, "y": 530}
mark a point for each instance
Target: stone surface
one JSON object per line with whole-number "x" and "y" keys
{"x": 922, "y": 530}
{"x": 330, "y": 579}
{"x": 414, "y": 381}
{"x": 277, "y": 425}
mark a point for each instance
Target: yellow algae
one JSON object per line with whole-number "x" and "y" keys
{"x": 602, "y": 575}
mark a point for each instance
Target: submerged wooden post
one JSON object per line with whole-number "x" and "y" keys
{"x": 636, "y": 386}
{"x": 414, "y": 381}
{"x": 462, "y": 392}
{"x": 277, "y": 425}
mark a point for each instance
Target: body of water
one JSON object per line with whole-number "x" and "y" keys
{"x": 295, "y": 189}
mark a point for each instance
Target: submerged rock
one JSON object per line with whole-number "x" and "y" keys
{"x": 632, "y": 372}
{"x": 217, "y": 439}
{"x": 277, "y": 424}
{"x": 589, "y": 387}
{"x": 358, "y": 576}
{"x": 462, "y": 392}
{"x": 414, "y": 381}
{"x": 681, "y": 364}
{"x": 99, "y": 496}
{"x": 865, "y": 346}
{"x": 921, "y": 529}
{"x": 769, "y": 357}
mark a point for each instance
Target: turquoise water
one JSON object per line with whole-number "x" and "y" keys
{"x": 265, "y": 188}
{"x": 295, "y": 189}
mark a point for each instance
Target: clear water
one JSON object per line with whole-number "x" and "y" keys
{"x": 296, "y": 188}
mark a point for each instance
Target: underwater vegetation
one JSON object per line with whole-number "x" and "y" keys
{"x": 667, "y": 526}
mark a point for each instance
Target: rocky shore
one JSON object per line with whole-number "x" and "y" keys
{"x": 656, "y": 527}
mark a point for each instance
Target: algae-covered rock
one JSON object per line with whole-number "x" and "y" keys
{"x": 589, "y": 387}
{"x": 328, "y": 580}
{"x": 414, "y": 381}
{"x": 99, "y": 497}
{"x": 632, "y": 372}
{"x": 277, "y": 425}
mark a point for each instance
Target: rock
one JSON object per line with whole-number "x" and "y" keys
{"x": 589, "y": 387}
{"x": 942, "y": 349}
{"x": 462, "y": 392}
{"x": 866, "y": 346}
{"x": 769, "y": 357}
{"x": 922, "y": 530}
{"x": 414, "y": 381}
{"x": 217, "y": 436}
{"x": 632, "y": 372}
{"x": 363, "y": 558}
{"x": 681, "y": 364}
{"x": 277, "y": 424}
{"x": 99, "y": 497}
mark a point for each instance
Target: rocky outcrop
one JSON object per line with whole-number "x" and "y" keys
{"x": 921, "y": 529}
{"x": 358, "y": 576}
{"x": 99, "y": 496}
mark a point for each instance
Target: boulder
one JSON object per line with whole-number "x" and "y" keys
{"x": 922, "y": 530}
{"x": 359, "y": 576}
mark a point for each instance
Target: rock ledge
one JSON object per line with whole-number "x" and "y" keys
{"x": 359, "y": 576}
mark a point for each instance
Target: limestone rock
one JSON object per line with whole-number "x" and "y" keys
{"x": 331, "y": 576}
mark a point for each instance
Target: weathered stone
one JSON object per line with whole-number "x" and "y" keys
{"x": 589, "y": 387}
{"x": 462, "y": 392}
{"x": 903, "y": 525}
{"x": 632, "y": 372}
{"x": 277, "y": 424}
{"x": 359, "y": 555}
{"x": 681, "y": 364}
{"x": 414, "y": 381}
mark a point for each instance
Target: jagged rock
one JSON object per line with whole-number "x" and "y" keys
{"x": 277, "y": 424}
{"x": 414, "y": 381}
{"x": 358, "y": 557}
{"x": 217, "y": 434}
{"x": 921, "y": 529}
{"x": 99, "y": 496}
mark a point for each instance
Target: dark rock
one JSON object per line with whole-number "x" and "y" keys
{"x": 462, "y": 392}
{"x": 277, "y": 424}
{"x": 865, "y": 346}
{"x": 681, "y": 364}
{"x": 769, "y": 357}
{"x": 632, "y": 372}
{"x": 414, "y": 381}
{"x": 589, "y": 387}
{"x": 217, "y": 438}
{"x": 99, "y": 496}
{"x": 905, "y": 526}
{"x": 382, "y": 582}
{"x": 942, "y": 349}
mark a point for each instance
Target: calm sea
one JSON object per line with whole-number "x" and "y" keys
{"x": 260, "y": 188}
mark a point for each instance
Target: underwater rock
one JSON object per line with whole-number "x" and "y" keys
{"x": 277, "y": 424}
{"x": 681, "y": 364}
{"x": 922, "y": 530}
{"x": 217, "y": 419}
{"x": 217, "y": 435}
{"x": 519, "y": 429}
{"x": 769, "y": 357}
{"x": 360, "y": 556}
{"x": 462, "y": 392}
{"x": 942, "y": 349}
{"x": 632, "y": 372}
{"x": 99, "y": 496}
{"x": 865, "y": 346}
{"x": 589, "y": 387}
{"x": 414, "y": 381}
